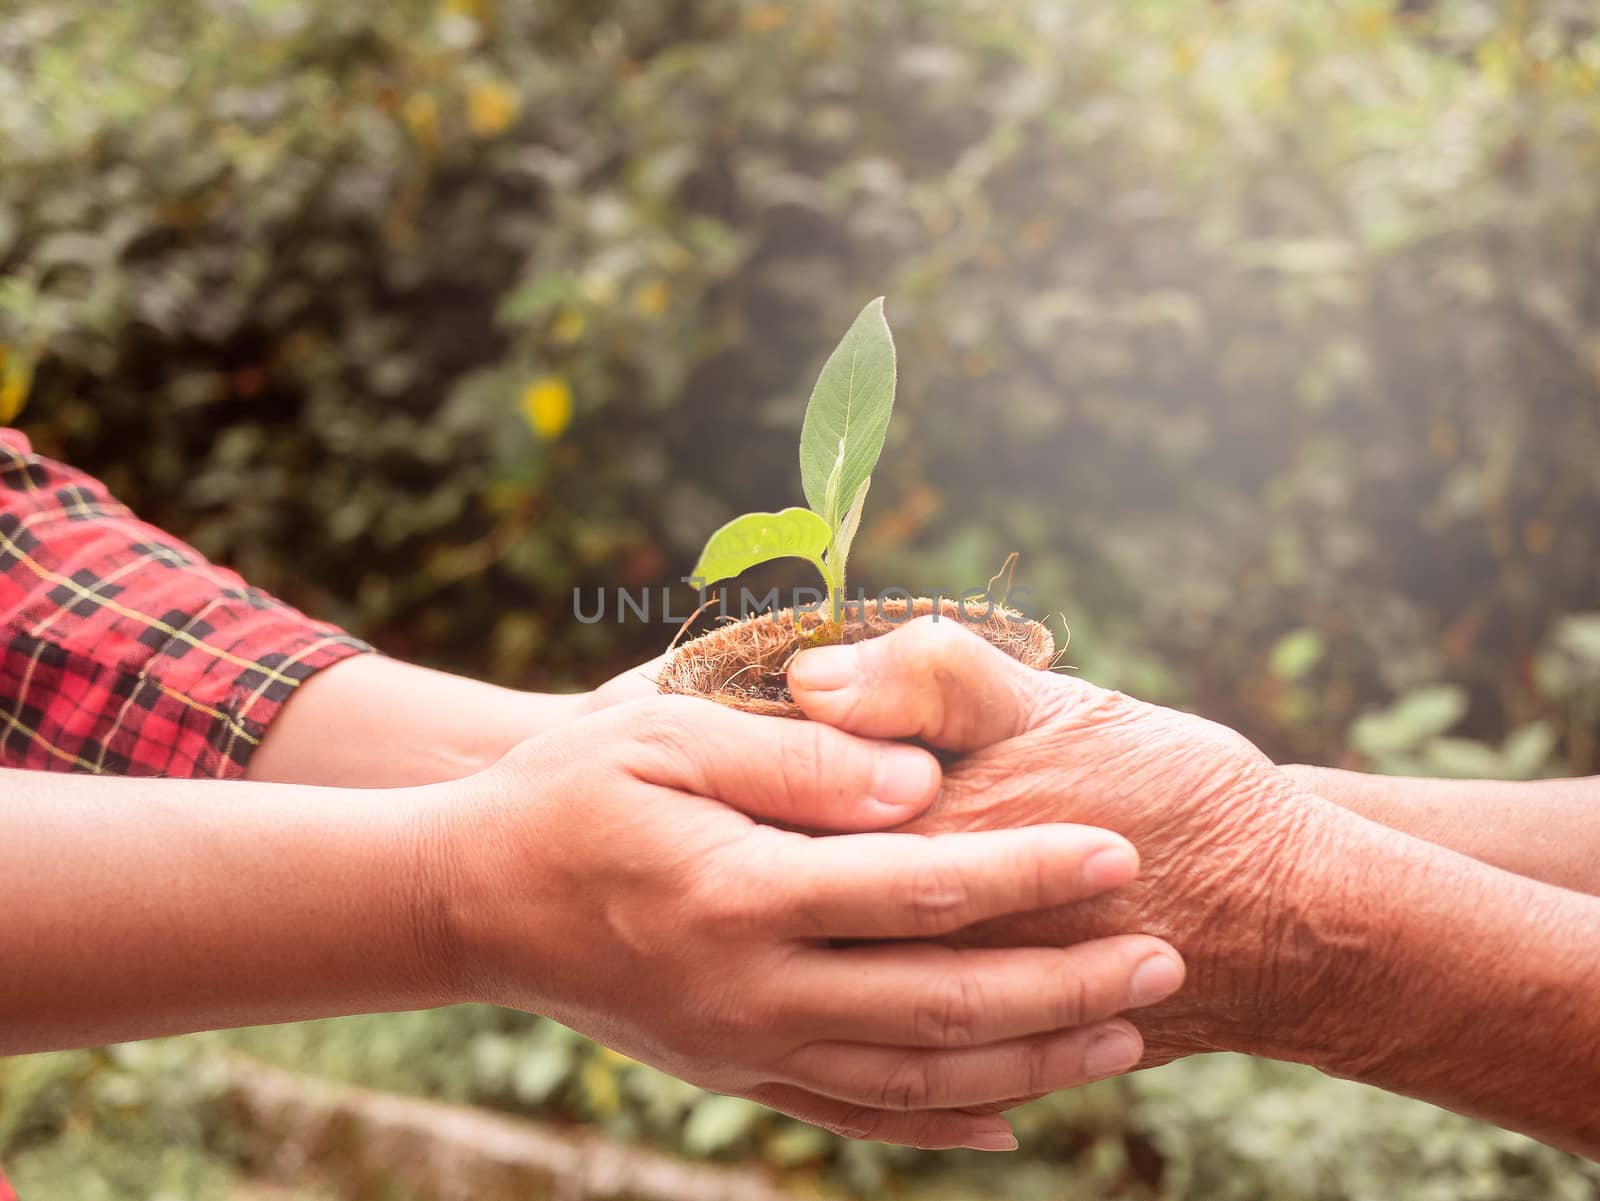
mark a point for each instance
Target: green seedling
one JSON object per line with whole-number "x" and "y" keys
{"x": 840, "y": 442}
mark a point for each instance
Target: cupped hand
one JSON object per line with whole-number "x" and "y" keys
{"x": 610, "y": 875}
{"x": 1218, "y": 828}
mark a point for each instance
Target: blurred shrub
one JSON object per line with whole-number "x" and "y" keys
{"x": 1245, "y": 323}
{"x": 131, "y": 1121}
{"x": 140, "y": 1121}
{"x": 1268, "y": 332}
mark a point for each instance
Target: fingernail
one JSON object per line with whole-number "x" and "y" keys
{"x": 904, "y": 778}
{"x": 993, "y": 1140}
{"x": 1156, "y": 979}
{"x": 1108, "y": 868}
{"x": 823, "y": 669}
{"x": 1113, "y": 1051}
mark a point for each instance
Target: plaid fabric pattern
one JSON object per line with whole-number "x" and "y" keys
{"x": 122, "y": 651}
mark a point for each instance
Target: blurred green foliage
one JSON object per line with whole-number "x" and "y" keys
{"x": 1268, "y": 331}
{"x": 149, "y": 1120}
{"x": 1243, "y": 323}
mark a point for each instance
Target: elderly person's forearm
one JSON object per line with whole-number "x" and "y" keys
{"x": 1431, "y": 974}
{"x": 1546, "y": 829}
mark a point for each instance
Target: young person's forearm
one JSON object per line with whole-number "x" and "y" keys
{"x": 1548, "y": 829}
{"x": 375, "y": 722}
{"x": 145, "y": 907}
{"x": 1433, "y": 975}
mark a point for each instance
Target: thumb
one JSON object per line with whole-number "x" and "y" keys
{"x": 932, "y": 680}
{"x": 802, "y": 774}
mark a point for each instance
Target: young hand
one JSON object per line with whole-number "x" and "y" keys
{"x": 604, "y": 875}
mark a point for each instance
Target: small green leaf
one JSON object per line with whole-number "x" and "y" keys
{"x": 1461, "y": 759}
{"x": 850, "y": 524}
{"x": 1425, "y": 712}
{"x": 1527, "y": 750}
{"x": 493, "y": 1057}
{"x": 539, "y": 1071}
{"x": 1419, "y": 715}
{"x": 1569, "y": 663}
{"x": 830, "y": 497}
{"x": 1296, "y": 653}
{"x": 848, "y": 416}
{"x": 758, "y": 537}
{"x": 717, "y": 1123}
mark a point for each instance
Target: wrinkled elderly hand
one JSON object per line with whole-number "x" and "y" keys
{"x": 1216, "y": 825}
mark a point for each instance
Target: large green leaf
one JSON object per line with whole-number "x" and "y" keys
{"x": 758, "y": 537}
{"x": 848, "y": 415}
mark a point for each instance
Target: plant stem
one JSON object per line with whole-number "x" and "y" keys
{"x": 833, "y": 576}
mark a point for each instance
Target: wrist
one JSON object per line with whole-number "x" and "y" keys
{"x": 1291, "y": 965}
{"x": 1375, "y": 936}
{"x": 440, "y": 901}
{"x": 1249, "y": 925}
{"x": 490, "y": 900}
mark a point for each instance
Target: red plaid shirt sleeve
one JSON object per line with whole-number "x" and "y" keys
{"x": 124, "y": 651}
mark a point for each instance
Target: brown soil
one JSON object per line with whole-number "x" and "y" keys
{"x": 742, "y": 665}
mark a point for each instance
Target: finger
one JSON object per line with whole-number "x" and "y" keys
{"x": 899, "y": 1079}
{"x": 636, "y": 683}
{"x": 1008, "y": 1104}
{"x": 925, "y": 995}
{"x": 799, "y": 773}
{"x": 916, "y": 886}
{"x": 931, "y": 680}
{"x": 932, "y": 1130}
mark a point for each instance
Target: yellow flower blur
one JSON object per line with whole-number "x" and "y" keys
{"x": 16, "y": 376}
{"x": 547, "y": 407}
{"x": 652, "y": 298}
{"x": 491, "y": 107}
